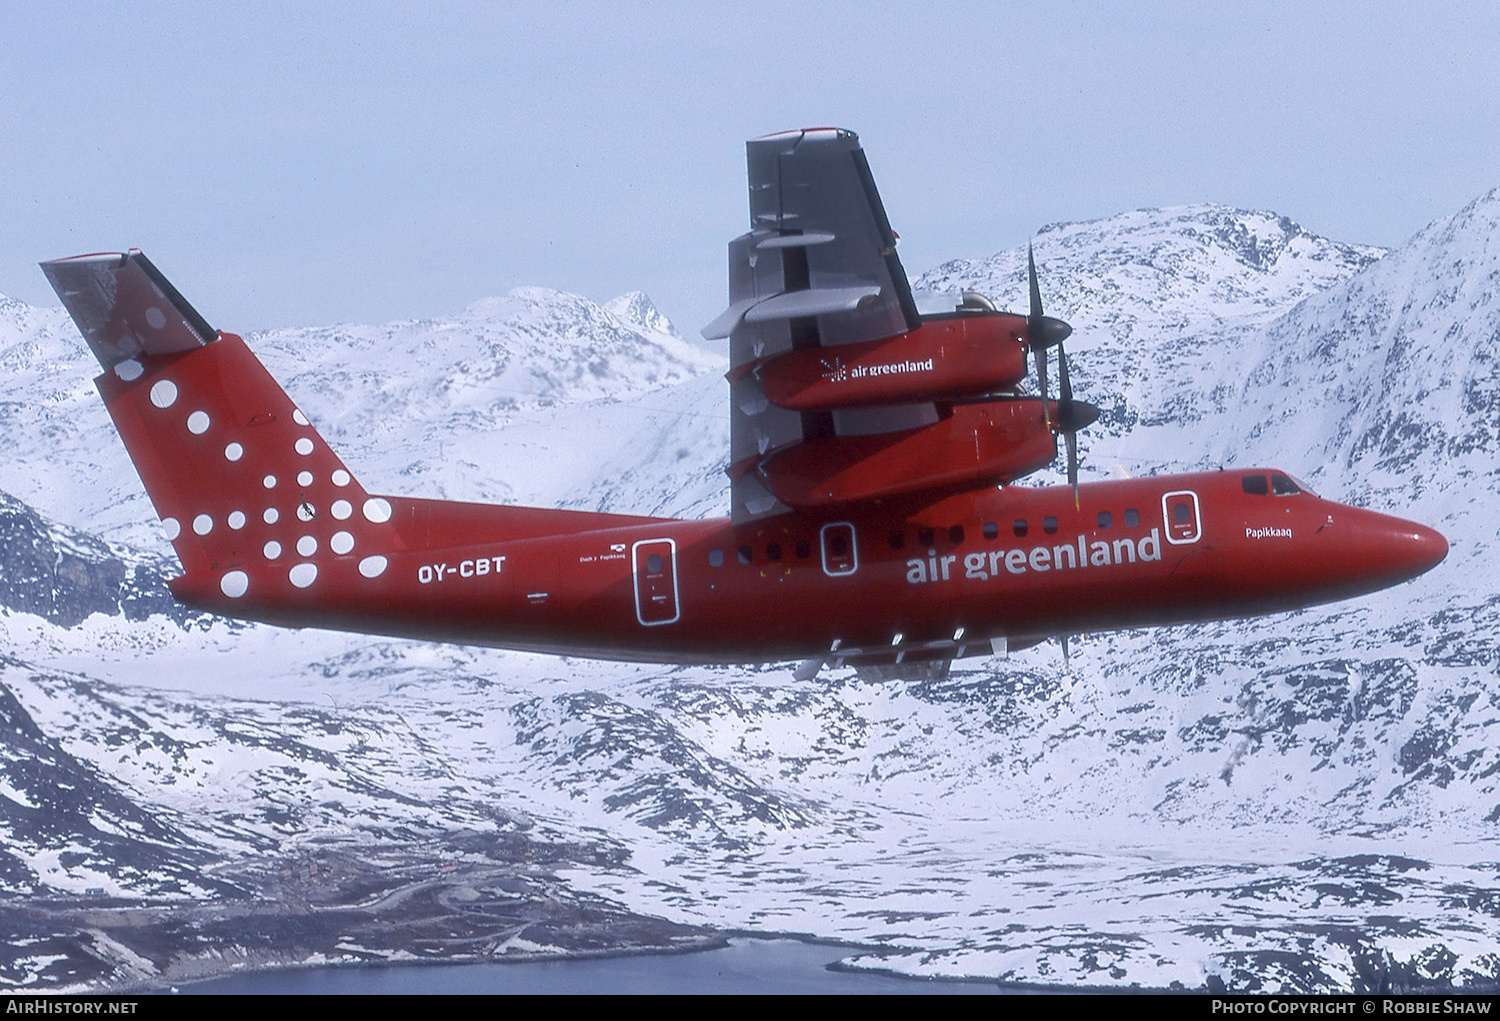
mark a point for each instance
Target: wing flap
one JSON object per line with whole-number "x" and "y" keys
{"x": 726, "y": 321}
{"x": 803, "y": 240}
{"x": 789, "y": 305}
{"x": 818, "y": 302}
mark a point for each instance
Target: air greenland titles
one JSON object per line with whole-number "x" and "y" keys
{"x": 982, "y": 566}
{"x": 921, "y": 433}
{"x": 888, "y": 369}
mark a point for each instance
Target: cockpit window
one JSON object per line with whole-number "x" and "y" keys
{"x": 1283, "y": 486}
{"x": 1255, "y": 485}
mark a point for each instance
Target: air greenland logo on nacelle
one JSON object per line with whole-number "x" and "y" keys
{"x": 839, "y": 372}
{"x": 983, "y": 566}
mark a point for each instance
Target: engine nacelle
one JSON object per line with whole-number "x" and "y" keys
{"x": 977, "y": 445}
{"x": 946, "y": 358}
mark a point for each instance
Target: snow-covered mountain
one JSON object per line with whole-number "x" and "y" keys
{"x": 489, "y": 404}
{"x": 1165, "y": 305}
{"x": 1304, "y": 802}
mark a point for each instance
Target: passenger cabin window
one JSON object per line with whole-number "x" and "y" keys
{"x": 744, "y": 554}
{"x": 1018, "y": 527}
{"x": 773, "y": 551}
{"x": 653, "y": 563}
{"x": 715, "y": 558}
{"x": 1049, "y": 525}
{"x": 956, "y": 534}
{"x": 898, "y": 540}
{"x": 1106, "y": 519}
{"x": 991, "y": 530}
{"x": 1283, "y": 486}
{"x": 924, "y": 536}
{"x": 1132, "y": 517}
{"x": 804, "y": 549}
{"x": 1181, "y": 513}
{"x": 838, "y": 543}
{"x": 1255, "y": 485}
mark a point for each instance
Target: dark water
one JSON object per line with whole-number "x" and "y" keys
{"x": 745, "y": 966}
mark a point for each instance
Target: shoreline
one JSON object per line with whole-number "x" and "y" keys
{"x": 741, "y": 963}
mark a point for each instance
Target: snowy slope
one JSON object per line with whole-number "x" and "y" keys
{"x": 1163, "y": 304}
{"x": 516, "y": 399}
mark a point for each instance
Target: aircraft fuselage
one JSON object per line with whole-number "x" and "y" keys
{"x": 960, "y": 576}
{"x": 873, "y": 451}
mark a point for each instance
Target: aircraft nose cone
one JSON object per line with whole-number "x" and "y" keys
{"x": 1428, "y": 548}
{"x": 1410, "y": 549}
{"x": 1377, "y": 550}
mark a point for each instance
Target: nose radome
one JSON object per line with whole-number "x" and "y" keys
{"x": 1410, "y": 549}
{"x": 1386, "y": 550}
{"x": 1428, "y": 548}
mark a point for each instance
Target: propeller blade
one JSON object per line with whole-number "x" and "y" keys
{"x": 1033, "y": 329}
{"x": 1036, "y": 289}
{"x": 1072, "y": 441}
{"x": 1065, "y": 399}
{"x": 1041, "y": 379}
{"x": 1042, "y": 331}
{"x": 1071, "y": 416}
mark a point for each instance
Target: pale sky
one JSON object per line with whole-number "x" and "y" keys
{"x": 310, "y": 163}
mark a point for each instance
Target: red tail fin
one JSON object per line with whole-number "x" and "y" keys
{"x": 265, "y": 518}
{"x": 250, "y": 495}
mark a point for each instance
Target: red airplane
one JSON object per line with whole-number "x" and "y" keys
{"x": 873, "y": 519}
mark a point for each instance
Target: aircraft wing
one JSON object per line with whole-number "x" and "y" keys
{"x": 817, "y": 269}
{"x": 819, "y": 243}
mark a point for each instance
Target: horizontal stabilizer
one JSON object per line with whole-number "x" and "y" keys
{"x": 125, "y": 308}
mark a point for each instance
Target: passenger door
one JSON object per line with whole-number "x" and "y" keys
{"x": 654, "y": 570}
{"x": 839, "y": 555}
{"x": 1179, "y": 511}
